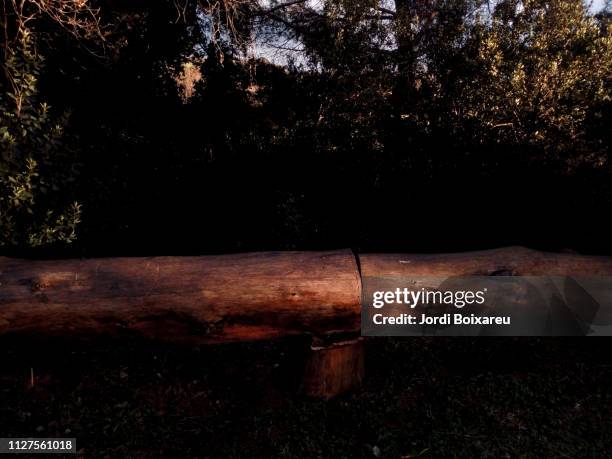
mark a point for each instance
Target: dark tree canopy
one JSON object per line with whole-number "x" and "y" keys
{"x": 184, "y": 126}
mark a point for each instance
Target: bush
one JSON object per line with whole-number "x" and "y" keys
{"x": 36, "y": 164}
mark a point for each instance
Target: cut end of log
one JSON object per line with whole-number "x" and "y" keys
{"x": 334, "y": 369}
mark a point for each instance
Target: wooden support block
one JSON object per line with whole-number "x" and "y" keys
{"x": 333, "y": 369}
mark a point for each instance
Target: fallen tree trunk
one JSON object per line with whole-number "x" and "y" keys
{"x": 213, "y": 299}
{"x": 205, "y": 299}
{"x": 508, "y": 261}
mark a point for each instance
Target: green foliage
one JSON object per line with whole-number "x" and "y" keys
{"x": 35, "y": 163}
{"x": 544, "y": 70}
{"x": 531, "y": 75}
{"x": 370, "y": 104}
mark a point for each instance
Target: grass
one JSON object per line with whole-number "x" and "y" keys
{"x": 423, "y": 397}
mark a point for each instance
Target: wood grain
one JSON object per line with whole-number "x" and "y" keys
{"x": 334, "y": 369}
{"x": 214, "y": 299}
{"x": 205, "y": 299}
{"x": 508, "y": 261}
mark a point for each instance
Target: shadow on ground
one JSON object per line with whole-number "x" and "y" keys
{"x": 423, "y": 397}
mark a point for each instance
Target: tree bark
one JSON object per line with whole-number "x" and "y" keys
{"x": 213, "y": 299}
{"x": 205, "y": 299}
{"x": 508, "y": 261}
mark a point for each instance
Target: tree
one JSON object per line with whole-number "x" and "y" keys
{"x": 543, "y": 81}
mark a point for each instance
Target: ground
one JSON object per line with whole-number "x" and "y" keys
{"x": 422, "y": 397}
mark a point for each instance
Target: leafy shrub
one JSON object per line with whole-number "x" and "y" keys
{"x": 36, "y": 160}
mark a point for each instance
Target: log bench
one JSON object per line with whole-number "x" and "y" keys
{"x": 241, "y": 297}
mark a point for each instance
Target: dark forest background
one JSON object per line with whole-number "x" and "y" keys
{"x": 168, "y": 127}
{"x": 187, "y": 127}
